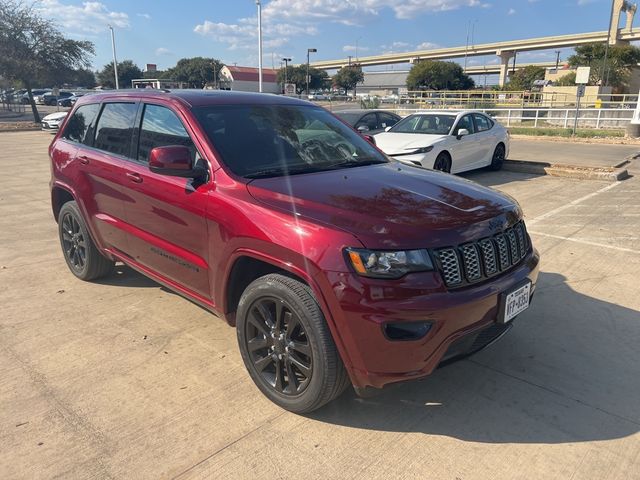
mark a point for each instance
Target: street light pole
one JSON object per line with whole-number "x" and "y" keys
{"x": 259, "y": 45}
{"x": 286, "y": 65}
{"x": 309, "y": 50}
{"x": 557, "y": 61}
{"x": 115, "y": 62}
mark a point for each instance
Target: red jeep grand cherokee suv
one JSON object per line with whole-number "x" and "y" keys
{"x": 335, "y": 264}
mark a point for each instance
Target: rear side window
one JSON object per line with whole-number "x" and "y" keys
{"x": 387, "y": 120}
{"x": 161, "y": 127}
{"x": 482, "y": 123}
{"x": 81, "y": 125}
{"x": 115, "y": 126}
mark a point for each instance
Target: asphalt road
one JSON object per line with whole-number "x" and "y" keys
{"x": 123, "y": 379}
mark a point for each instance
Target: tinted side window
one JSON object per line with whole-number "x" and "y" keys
{"x": 387, "y": 120}
{"x": 81, "y": 125}
{"x": 115, "y": 126}
{"x": 465, "y": 122}
{"x": 161, "y": 127}
{"x": 482, "y": 123}
{"x": 369, "y": 120}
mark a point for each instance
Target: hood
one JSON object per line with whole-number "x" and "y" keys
{"x": 392, "y": 205}
{"x": 392, "y": 143}
{"x": 55, "y": 116}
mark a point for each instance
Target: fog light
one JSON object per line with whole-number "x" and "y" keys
{"x": 406, "y": 330}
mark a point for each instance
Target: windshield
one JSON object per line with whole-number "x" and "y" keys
{"x": 431, "y": 124}
{"x": 273, "y": 140}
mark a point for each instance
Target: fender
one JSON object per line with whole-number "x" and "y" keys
{"x": 299, "y": 272}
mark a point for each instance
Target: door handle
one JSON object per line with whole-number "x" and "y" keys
{"x": 134, "y": 177}
{"x": 83, "y": 160}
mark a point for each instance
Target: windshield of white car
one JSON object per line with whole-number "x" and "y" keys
{"x": 431, "y": 124}
{"x": 276, "y": 140}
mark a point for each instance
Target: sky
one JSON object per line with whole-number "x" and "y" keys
{"x": 164, "y": 31}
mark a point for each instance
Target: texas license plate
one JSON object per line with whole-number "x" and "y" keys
{"x": 515, "y": 302}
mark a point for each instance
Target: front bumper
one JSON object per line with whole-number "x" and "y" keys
{"x": 50, "y": 126}
{"x": 364, "y": 306}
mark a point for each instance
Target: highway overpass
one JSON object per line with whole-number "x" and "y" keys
{"x": 505, "y": 50}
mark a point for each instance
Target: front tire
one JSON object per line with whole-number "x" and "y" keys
{"x": 498, "y": 158}
{"x": 82, "y": 256}
{"x": 443, "y": 162}
{"x": 286, "y": 345}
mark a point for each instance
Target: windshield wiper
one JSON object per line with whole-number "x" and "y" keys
{"x": 280, "y": 172}
{"x": 356, "y": 163}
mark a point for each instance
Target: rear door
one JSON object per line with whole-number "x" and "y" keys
{"x": 463, "y": 151}
{"x": 486, "y": 141}
{"x": 100, "y": 166}
{"x": 166, "y": 215}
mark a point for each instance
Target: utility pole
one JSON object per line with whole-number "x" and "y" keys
{"x": 309, "y": 50}
{"x": 605, "y": 72}
{"x": 259, "y": 45}
{"x": 349, "y": 60}
{"x": 557, "y": 61}
{"x": 115, "y": 62}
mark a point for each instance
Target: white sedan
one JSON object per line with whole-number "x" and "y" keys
{"x": 448, "y": 141}
{"x": 52, "y": 122}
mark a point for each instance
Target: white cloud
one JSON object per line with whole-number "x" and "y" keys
{"x": 511, "y": 11}
{"x": 144, "y": 15}
{"x": 161, "y": 51}
{"x": 427, "y": 46}
{"x": 353, "y": 48}
{"x": 85, "y": 18}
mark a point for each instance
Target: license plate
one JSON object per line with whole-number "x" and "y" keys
{"x": 515, "y": 302}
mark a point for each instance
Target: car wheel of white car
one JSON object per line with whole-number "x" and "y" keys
{"x": 498, "y": 158}
{"x": 443, "y": 163}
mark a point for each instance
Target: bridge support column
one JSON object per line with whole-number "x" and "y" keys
{"x": 504, "y": 66}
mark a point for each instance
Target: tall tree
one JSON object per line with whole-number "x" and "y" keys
{"x": 348, "y": 77}
{"x": 437, "y": 75}
{"x": 523, "y": 78}
{"x": 298, "y": 75}
{"x": 33, "y": 50}
{"x": 196, "y": 72}
{"x": 127, "y": 71}
{"x": 620, "y": 60}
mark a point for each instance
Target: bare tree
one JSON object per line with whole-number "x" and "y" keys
{"x": 33, "y": 50}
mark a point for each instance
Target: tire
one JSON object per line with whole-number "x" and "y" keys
{"x": 498, "y": 158}
{"x": 443, "y": 162}
{"x": 286, "y": 345}
{"x": 83, "y": 258}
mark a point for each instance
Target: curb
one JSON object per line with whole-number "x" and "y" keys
{"x": 610, "y": 174}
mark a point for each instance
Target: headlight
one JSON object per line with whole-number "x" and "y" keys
{"x": 386, "y": 264}
{"x": 422, "y": 149}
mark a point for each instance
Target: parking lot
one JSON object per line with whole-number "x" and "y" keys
{"x": 124, "y": 379}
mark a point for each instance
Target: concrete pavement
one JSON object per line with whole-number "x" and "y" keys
{"x": 123, "y": 379}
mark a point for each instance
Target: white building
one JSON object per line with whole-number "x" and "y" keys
{"x": 245, "y": 79}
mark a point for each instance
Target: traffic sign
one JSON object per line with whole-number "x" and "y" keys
{"x": 582, "y": 75}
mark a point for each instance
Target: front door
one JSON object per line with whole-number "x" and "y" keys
{"x": 464, "y": 151}
{"x": 166, "y": 215}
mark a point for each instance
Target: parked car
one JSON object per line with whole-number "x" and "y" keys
{"x": 37, "y": 96}
{"x": 448, "y": 141}
{"x": 369, "y": 121}
{"x": 317, "y": 96}
{"x": 335, "y": 264}
{"x": 50, "y": 99}
{"x": 71, "y": 100}
{"x": 52, "y": 122}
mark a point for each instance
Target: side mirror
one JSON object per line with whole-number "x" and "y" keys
{"x": 363, "y": 128}
{"x": 386, "y": 129}
{"x": 461, "y": 133}
{"x": 175, "y": 161}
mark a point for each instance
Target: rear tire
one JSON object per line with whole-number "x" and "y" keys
{"x": 443, "y": 162}
{"x": 82, "y": 256}
{"x": 286, "y": 345}
{"x": 498, "y": 158}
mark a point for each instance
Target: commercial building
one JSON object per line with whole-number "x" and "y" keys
{"x": 245, "y": 79}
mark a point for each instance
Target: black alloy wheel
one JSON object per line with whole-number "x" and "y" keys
{"x": 443, "y": 163}
{"x": 82, "y": 256}
{"x": 286, "y": 344}
{"x": 498, "y": 158}
{"x": 73, "y": 242}
{"x": 278, "y": 346}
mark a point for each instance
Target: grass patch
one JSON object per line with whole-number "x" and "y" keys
{"x": 567, "y": 132}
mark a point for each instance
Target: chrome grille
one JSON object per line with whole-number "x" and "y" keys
{"x": 471, "y": 262}
{"x": 476, "y": 261}
{"x": 450, "y": 266}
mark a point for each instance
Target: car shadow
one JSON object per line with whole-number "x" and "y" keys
{"x": 567, "y": 372}
{"x": 124, "y": 276}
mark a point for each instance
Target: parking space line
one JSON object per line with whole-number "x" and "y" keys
{"x": 571, "y": 204}
{"x": 585, "y": 242}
